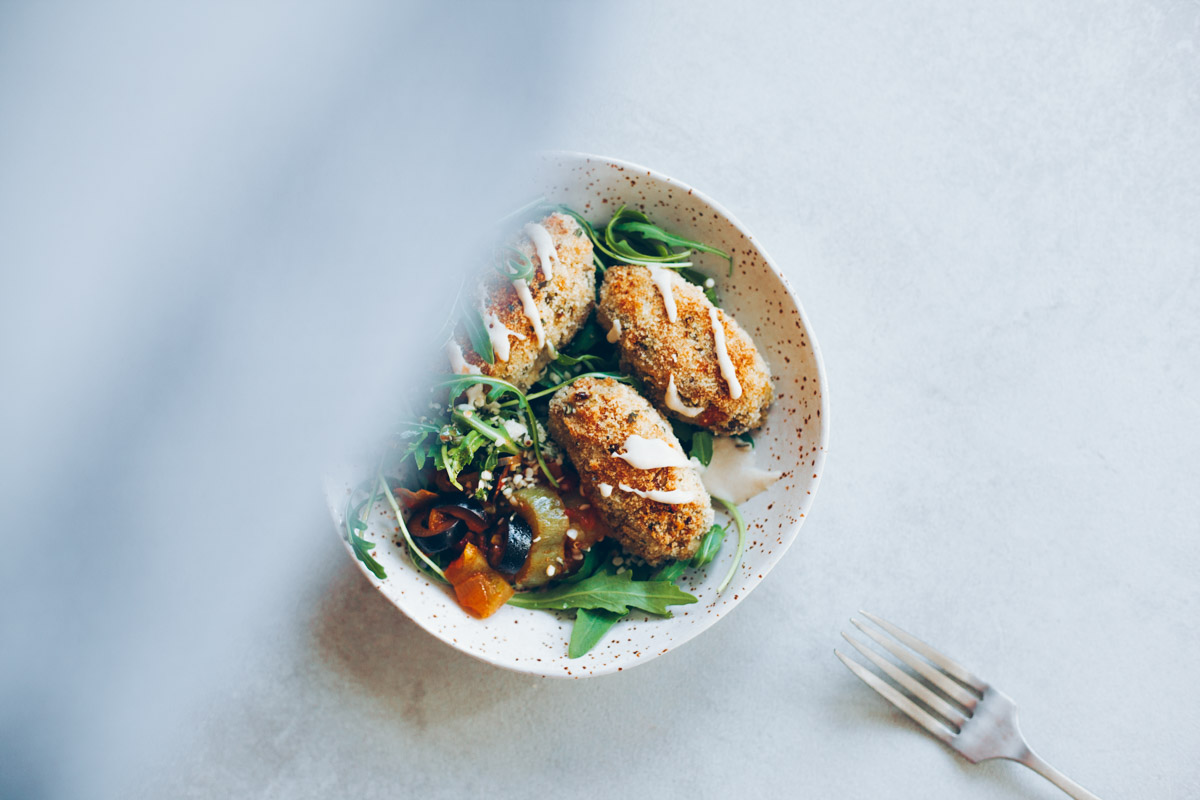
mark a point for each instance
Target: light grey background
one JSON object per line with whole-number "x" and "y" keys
{"x": 991, "y": 213}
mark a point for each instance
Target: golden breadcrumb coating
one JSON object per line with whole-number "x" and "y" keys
{"x": 655, "y": 349}
{"x": 591, "y": 419}
{"x": 563, "y": 303}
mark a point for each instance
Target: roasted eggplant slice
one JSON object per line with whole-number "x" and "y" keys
{"x": 510, "y": 545}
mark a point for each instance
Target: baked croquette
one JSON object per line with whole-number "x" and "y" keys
{"x": 592, "y": 419}
{"x": 685, "y": 352}
{"x": 563, "y": 303}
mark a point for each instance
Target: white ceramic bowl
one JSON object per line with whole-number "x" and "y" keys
{"x": 793, "y": 441}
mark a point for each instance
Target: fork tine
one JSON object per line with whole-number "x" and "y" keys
{"x": 889, "y": 693}
{"x": 950, "y": 667}
{"x": 952, "y": 690}
{"x": 914, "y": 686}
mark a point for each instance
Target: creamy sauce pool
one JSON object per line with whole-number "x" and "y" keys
{"x": 732, "y": 474}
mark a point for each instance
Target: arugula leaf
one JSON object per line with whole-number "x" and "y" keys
{"x": 683, "y": 432}
{"x": 564, "y": 360}
{"x": 590, "y": 626}
{"x": 700, "y": 279}
{"x": 498, "y": 436}
{"x": 671, "y": 572}
{"x": 702, "y": 447}
{"x": 616, "y": 593}
{"x": 480, "y": 341}
{"x": 414, "y": 552}
{"x": 512, "y": 263}
{"x": 622, "y": 250}
{"x": 588, "y": 337}
{"x": 458, "y": 384}
{"x": 650, "y": 231}
{"x": 591, "y": 562}
{"x": 741, "y": 543}
{"x": 747, "y": 437}
{"x": 592, "y": 623}
{"x": 710, "y": 545}
{"x": 362, "y": 548}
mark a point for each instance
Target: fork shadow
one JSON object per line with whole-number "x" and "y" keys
{"x": 361, "y": 638}
{"x": 865, "y": 710}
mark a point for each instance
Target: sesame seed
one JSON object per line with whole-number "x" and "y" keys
{"x": 620, "y": 570}
{"x": 585, "y": 506}
{"x": 486, "y": 475}
{"x": 618, "y": 561}
{"x": 550, "y": 570}
{"x": 572, "y": 533}
{"x": 710, "y": 283}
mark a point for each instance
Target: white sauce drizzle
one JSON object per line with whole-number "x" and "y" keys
{"x": 499, "y": 335}
{"x": 605, "y": 489}
{"x": 459, "y": 364}
{"x": 731, "y": 475}
{"x": 674, "y": 497}
{"x": 664, "y": 279}
{"x": 614, "y": 333}
{"x": 643, "y": 453}
{"x": 727, "y": 370}
{"x": 544, "y": 245}
{"x": 675, "y": 402}
{"x": 476, "y": 395}
{"x": 531, "y": 311}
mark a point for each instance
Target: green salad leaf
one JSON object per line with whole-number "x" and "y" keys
{"x": 700, "y": 279}
{"x": 512, "y": 263}
{"x": 457, "y": 384}
{"x": 355, "y": 524}
{"x": 702, "y": 447}
{"x": 652, "y": 232}
{"x": 741, "y": 542}
{"x": 590, "y": 626}
{"x": 611, "y": 592}
{"x": 481, "y": 343}
{"x": 710, "y": 545}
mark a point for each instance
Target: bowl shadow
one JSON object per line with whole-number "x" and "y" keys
{"x": 378, "y": 652}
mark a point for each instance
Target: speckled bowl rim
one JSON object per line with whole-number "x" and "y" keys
{"x": 792, "y": 533}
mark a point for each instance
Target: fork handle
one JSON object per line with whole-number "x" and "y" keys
{"x": 1035, "y": 763}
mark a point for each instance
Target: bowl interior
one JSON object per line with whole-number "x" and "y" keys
{"x": 792, "y": 441}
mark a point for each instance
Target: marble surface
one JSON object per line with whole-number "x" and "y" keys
{"x": 991, "y": 213}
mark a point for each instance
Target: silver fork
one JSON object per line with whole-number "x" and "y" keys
{"x": 978, "y": 721}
